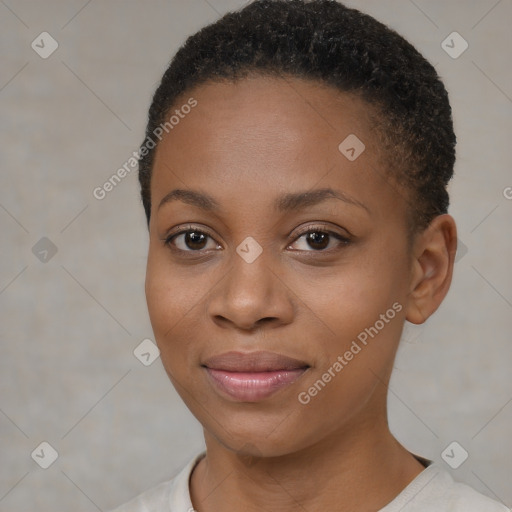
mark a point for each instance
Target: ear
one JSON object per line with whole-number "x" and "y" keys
{"x": 434, "y": 255}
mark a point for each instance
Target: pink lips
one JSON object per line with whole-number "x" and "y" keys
{"x": 254, "y": 376}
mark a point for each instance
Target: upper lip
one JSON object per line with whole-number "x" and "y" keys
{"x": 253, "y": 362}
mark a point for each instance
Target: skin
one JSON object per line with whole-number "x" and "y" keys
{"x": 245, "y": 144}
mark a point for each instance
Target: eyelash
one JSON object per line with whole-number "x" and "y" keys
{"x": 344, "y": 241}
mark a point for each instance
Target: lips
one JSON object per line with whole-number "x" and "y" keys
{"x": 253, "y": 376}
{"x": 253, "y": 362}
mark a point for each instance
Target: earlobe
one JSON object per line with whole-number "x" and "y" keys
{"x": 434, "y": 255}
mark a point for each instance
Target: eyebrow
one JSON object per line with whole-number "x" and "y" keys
{"x": 285, "y": 203}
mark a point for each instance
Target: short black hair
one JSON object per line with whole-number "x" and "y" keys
{"x": 325, "y": 41}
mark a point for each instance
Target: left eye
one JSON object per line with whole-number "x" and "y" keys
{"x": 319, "y": 239}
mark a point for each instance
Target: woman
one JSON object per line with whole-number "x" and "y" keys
{"x": 294, "y": 176}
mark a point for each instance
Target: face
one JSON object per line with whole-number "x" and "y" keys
{"x": 277, "y": 282}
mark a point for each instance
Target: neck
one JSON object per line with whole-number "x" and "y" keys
{"x": 357, "y": 468}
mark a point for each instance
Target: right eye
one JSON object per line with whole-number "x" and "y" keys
{"x": 190, "y": 239}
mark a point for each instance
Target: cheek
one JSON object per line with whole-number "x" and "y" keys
{"x": 170, "y": 298}
{"x": 362, "y": 306}
{"x": 173, "y": 298}
{"x": 359, "y": 309}
{"x": 354, "y": 295}
{"x": 160, "y": 299}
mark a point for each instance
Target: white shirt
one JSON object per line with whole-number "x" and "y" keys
{"x": 433, "y": 490}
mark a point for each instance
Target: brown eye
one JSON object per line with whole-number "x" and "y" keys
{"x": 190, "y": 240}
{"x": 319, "y": 239}
{"x": 195, "y": 240}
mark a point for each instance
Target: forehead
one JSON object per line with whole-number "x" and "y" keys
{"x": 288, "y": 107}
{"x": 272, "y": 135}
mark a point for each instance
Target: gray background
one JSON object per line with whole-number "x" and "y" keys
{"x": 69, "y": 325}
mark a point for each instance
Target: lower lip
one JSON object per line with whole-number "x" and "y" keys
{"x": 253, "y": 386}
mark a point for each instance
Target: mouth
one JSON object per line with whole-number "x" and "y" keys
{"x": 253, "y": 376}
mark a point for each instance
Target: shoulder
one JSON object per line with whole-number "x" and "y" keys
{"x": 155, "y": 499}
{"x": 462, "y": 497}
{"x": 170, "y": 495}
{"x": 434, "y": 490}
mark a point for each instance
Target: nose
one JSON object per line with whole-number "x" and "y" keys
{"x": 250, "y": 295}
